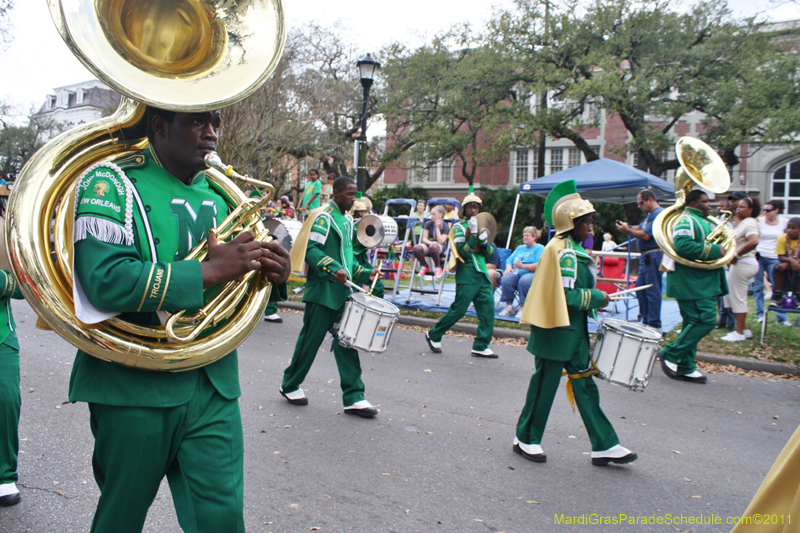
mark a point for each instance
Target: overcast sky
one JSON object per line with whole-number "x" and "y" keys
{"x": 38, "y": 60}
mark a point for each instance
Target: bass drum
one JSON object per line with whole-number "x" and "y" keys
{"x": 284, "y": 231}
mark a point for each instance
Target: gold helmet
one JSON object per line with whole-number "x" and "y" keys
{"x": 563, "y": 205}
{"x": 470, "y": 198}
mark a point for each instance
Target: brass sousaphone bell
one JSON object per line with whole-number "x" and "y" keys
{"x": 178, "y": 55}
{"x": 701, "y": 166}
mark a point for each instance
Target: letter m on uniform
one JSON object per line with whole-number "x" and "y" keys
{"x": 192, "y": 227}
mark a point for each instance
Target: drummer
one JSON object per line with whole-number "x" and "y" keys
{"x": 324, "y": 248}
{"x": 361, "y": 252}
{"x": 559, "y": 336}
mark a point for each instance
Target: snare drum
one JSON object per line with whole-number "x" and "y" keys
{"x": 367, "y": 323}
{"x": 624, "y": 353}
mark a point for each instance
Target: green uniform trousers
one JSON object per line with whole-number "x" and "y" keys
{"x": 317, "y": 321}
{"x": 272, "y": 308}
{"x": 482, "y": 295}
{"x": 199, "y": 447}
{"x": 10, "y": 402}
{"x": 699, "y": 318}
{"x": 542, "y": 390}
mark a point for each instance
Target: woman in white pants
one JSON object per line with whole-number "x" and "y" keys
{"x": 744, "y": 265}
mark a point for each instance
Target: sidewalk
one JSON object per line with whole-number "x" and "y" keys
{"x": 740, "y": 362}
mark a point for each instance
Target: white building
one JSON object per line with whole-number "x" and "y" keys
{"x": 79, "y": 103}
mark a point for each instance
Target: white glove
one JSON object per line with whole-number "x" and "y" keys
{"x": 483, "y": 237}
{"x": 473, "y": 225}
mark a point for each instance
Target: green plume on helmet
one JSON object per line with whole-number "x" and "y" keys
{"x": 557, "y": 193}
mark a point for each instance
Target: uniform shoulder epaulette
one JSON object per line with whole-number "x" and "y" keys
{"x": 568, "y": 263}
{"x": 130, "y": 161}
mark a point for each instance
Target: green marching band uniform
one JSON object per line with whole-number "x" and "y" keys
{"x": 473, "y": 285}
{"x": 329, "y": 249}
{"x": 696, "y": 290}
{"x": 134, "y": 222}
{"x": 564, "y": 297}
{"x": 10, "y": 399}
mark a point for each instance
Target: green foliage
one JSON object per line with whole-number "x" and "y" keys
{"x": 402, "y": 190}
{"x": 439, "y": 100}
{"x": 606, "y": 214}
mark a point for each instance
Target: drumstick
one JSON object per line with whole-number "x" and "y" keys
{"x": 375, "y": 281}
{"x": 354, "y": 286}
{"x": 633, "y": 290}
{"x": 614, "y": 297}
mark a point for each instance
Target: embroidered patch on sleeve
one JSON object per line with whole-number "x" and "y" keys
{"x": 104, "y": 205}
{"x": 458, "y": 233}
{"x": 320, "y": 229}
{"x": 568, "y": 263}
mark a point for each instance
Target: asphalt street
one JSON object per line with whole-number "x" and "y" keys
{"x": 438, "y": 458}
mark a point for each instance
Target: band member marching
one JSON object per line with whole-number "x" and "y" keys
{"x": 325, "y": 247}
{"x": 695, "y": 289}
{"x": 558, "y": 307}
{"x": 128, "y": 259}
{"x": 469, "y": 251}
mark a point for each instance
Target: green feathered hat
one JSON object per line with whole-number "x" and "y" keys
{"x": 563, "y": 204}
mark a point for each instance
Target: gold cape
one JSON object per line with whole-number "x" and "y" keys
{"x": 299, "y": 247}
{"x": 454, "y": 255}
{"x": 546, "y": 304}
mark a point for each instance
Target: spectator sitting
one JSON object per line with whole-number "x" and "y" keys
{"x": 519, "y": 272}
{"x": 286, "y": 210}
{"x": 420, "y": 214}
{"x": 434, "y": 235}
{"x": 451, "y": 211}
{"x": 787, "y": 272}
{"x": 608, "y": 242}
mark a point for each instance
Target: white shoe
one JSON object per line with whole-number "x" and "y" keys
{"x": 694, "y": 375}
{"x": 484, "y": 353}
{"x": 748, "y": 334}
{"x": 519, "y": 314}
{"x": 274, "y": 317}
{"x": 531, "y": 449}
{"x": 786, "y": 322}
{"x": 297, "y": 397}
{"x": 9, "y": 495}
{"x": 616, "y": 454}
{"x": 760, "y": 319}
{"x": 671, "y": 366}
{"x": 508, "y": 310}
{"x": 734, "y": 337}
{"x": 362, "y": 408}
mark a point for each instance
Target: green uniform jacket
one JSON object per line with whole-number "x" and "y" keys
{"x": 8, "y": 289}
{"x": 578, "y": 276}
{"x": 134, "y": 222}
{"x": 473, "y": 268}
{"x": 330, "y": 248}
{"x": 689, "y": 283}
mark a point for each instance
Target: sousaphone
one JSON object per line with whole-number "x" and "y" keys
{"x": 179, "y": 55}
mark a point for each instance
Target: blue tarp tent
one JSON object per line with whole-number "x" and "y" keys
{"x": 603, "y": 180}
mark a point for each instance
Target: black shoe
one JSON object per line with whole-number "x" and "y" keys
{"x": 603, "y": 461}
{"x": 696, "y": 379}
{"x": 296, "y": 401}
{"x": 535, "y": 457}
{"x": 274, "y": 318}
{"x": 364, "y": 412}
{"x": 434, "y": 349}
{"x": 671, "y": 374}
{"x": 719, "y": 325}
{"x": 10, "y": 499}
{"x": 487, "y": 353}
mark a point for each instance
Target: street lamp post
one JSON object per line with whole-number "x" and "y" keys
{"x": 367, "y": 68}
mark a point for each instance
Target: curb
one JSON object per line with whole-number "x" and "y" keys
{"x": 740, "y": 362}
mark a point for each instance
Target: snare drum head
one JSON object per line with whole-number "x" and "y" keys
{"x": 376, "y": 304}
{"x": 637, "y": 330}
